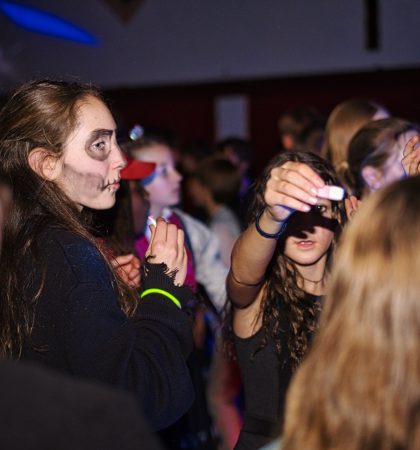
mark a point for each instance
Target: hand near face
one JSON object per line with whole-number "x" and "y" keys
{"x": 167, "y": 246}
{"x": 292, "y": 186}
{"x": 128, "y": 267}
{"x": 411, "y": 160}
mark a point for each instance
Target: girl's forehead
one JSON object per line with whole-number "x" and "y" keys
{"x": 92, "y": 113}
{"x": 159, "y": 154}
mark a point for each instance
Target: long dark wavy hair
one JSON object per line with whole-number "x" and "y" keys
{"x": 282, "y": 277}
{"x": 359, "y": 387}
{"x": 39, "y": 114}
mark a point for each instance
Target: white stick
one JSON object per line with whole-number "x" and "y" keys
{"x": 331, "y": 192}
{"x": 151, "y": 220}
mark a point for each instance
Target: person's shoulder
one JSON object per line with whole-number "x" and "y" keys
{"x": 81, "y": 256}
{"x": 226, "y": 216}
{"x": 72, "y": 245}
{"x": 225, "y": 212}
{"x": 74, "y": 413}
{"x": 189, "y": 221}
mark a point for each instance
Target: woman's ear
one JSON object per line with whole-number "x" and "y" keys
{"x": 44, "y": 164}
{"x": 372, "y": 177}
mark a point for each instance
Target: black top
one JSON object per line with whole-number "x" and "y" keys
{"x": 265, "y": 377}
{"x": 80, "y": 329}
{"x": 41, "y": 409}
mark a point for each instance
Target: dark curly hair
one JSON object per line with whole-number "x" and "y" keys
{"x": 281, "y": 278}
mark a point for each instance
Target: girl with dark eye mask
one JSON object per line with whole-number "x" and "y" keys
{"x": 278, "y": 276}
{"x": 359, "y": 387}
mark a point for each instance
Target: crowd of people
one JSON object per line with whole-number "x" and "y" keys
{"x": 151, "y": 302}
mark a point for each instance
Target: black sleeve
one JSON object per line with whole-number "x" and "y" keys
{"x": 145, "y": 355}
{"x": 80, "y": 325}
{"x": 157, "y": 276}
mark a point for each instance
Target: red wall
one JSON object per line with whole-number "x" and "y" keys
{"x": 189, "y": 110}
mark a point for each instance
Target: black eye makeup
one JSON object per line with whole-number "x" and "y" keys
{"x": 99, "y": 145}
{"x": 320, "y": 209}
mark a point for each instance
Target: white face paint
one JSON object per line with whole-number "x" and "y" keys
{"x": 92, "y": 160}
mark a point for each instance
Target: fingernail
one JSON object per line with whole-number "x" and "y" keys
{"x": 151, "y": 220}
{"x": 306, "y": 208}
{"x": 313, "y": 200}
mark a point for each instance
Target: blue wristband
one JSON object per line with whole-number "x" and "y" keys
{"x": 268, "y": 235}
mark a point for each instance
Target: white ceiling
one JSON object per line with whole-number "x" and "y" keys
{"x": 184, "y": 41}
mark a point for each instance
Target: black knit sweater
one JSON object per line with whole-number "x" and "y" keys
{"x": 80, "y": 329}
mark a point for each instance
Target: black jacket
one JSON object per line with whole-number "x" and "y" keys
{"x": 80, "y": 329}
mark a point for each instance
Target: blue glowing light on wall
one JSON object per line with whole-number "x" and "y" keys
{"x": 43, "y": 22}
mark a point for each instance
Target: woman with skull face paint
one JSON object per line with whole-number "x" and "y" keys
{"x": 277, "y": 279}
{"x": 61, "y": 303}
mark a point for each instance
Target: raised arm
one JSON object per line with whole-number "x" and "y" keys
{"x": 292, "y": 186}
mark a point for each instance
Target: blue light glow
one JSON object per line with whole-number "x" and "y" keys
{"x": 43, "y": 22}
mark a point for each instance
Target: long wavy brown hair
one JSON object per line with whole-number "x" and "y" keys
{"x": 282, "y": 277}
{"x": 359, "y": 387}
{"x": 39, "y": 114}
